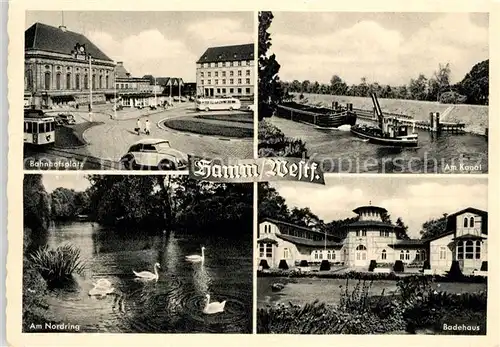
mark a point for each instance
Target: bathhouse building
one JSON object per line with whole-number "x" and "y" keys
{"x": 226, "y": 71}
{"x": 371, "y": 237}
{"x": 61, "y": 66}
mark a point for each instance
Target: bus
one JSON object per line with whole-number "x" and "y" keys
{"x": 39, "y": 129}
{"x": 210, "y": 104}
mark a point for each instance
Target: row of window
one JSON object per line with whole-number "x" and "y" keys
{"x": 227, "y": 64}
{"x": 223, "y": 73}
{"x": 469, "y": 250}
{"x": 38, "y": 128}
{"x": 469, "y": 223}
{"x": 382, "y": 233}
{"x": 58, "y": 68}
{"x": 231, "y": 81}
{"x": 231, "y": 91}
{"x": 100, "y": 83}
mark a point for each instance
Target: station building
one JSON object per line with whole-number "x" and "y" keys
{"x": 60, "y": 67}
{"x": 372, "y": 238}
{"x": 226, "y": 71}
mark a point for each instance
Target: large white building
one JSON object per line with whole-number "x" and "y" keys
{"x": 226, "y": 71}
{"x": 370, "y": 238}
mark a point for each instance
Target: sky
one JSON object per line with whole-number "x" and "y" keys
{"x": 76, "y": 181}
{"x": 389, "y": 48}
{"x": 414, "y": 199}
{"x": 156, "y": 43}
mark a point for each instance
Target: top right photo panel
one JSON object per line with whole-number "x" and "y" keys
{"x": 362, "y": 92}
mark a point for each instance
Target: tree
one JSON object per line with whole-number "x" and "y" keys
{"x": 271, "y": 204}
{"x": 434, "y": 227}
{"x": 36, "y": 204}
{"x": 418, "y": 88}
{"x": 62, "y": 202}
{"x": 401, "y": 230}
{"x": 305, "y": 86}
{"x": 442, "y": 76}
{"x": 475, "y": 84}
{"x": 363, "y": 88}
{"x": 270, "y": 92}
{"x": 338, "y": 86}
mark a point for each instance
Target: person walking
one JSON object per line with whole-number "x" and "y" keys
{"x": 147, "y": 127}
{"x": 138, "y": 126}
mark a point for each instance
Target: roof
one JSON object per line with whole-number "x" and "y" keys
{"x": 228, "y": 53}
{"x": 149, "y": 141}
{"x": 408, "y": 243}
{"x": 167, "y": 81}
{"x": 275, "y": 221}
{"x": 439, "y": 236}
{"x": 360, "y": 208}
{"x": 367, "y": 223}
{"x": 121, "y": 72}
{"x": 469, "y": 237}
{"x": 47, "y": 38}
{"x": 469, "y": 209}
{"x": 307, "y": 242}
{"x": 267, "y": 240}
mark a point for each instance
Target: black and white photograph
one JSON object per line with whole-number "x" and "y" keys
{"x": 136, "y": 254}
{"x": 137, "y": 90}
{"x": 385, "y": 92}
{"x": 373, "y": 255}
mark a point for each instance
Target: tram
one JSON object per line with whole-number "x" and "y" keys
{"x": 39, "y": 129}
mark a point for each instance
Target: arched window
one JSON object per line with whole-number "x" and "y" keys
{"x": 469, "y": 250}
{"x": 471, "y": 222}
{"x": 384, "y": 255}
{"x": 77, "y": 81}
{"x": 58, "y": 81}
{"x": 466, "y": 225}
{"x": 29, "y": 79}
{"x": 100, "y": 82}
{"x": 93, "y": 81}
{"x": 86, "y": 81}
{"x": 478, "y": 250}
{"x": 407, "y": 255}
{"x": 402, "y": 255}
{"x": 361, "y": 248}
{"x": 47, "y": 81}
{"x": 68, "y": 81}
{"x": 107, "y": 82}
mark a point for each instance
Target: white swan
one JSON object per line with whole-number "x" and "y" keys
{"x": 213, "y": 307}
{"x": 147, "y": 274}
{"x": 196, "y": 258}
{"x": 102, "y": 283}
{"x": 101, "y": 288}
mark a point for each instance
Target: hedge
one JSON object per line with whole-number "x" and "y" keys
{"x": 303, "y": 263}
{"x": 325, "y": 266}
{"x": 399, "y": 266}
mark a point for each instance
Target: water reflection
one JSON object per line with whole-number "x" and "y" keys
{"x": 172, "y": 304}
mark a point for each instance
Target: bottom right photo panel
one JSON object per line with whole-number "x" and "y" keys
{"x": 373, "y": 255}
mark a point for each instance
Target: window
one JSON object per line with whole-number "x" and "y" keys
{"x": 216, "y": 73}
{"x": 423, "y": 256}
{"x": 469, "y": 250}
{"x": 442, "y": 253}
{"x": 248, "y": 72}
{"x": 465, "y": 223}
{"x": 202, "y": 82}
{"x": 212, "y": 64}
{"x": 216, "y": 81}
{"x": 231, "y": 90}
{"x": 239, "y": 63}
{"x": 402, "y": 255}
{"x": 269, "y": 250}
{"x": 107, "y": 82}
{"x": 209, "y": 82}
{"x": 218, "y": 89}
{"x": 315, "y": 255}
{"x": 357, "y": 232}
{"x": 224, "y": 90}
{"x": 384, "y": 254}
{"x": 77, "y": 81}
{"x": 100, "y": 82}
{"x": 239, "y": 80}
{"x": 29, "y": 79}
{"x": 58, "y": 81}
{"x": 478, "y": 249}
{"x": 231, "y": 73}
{"x": 248, "y": 90}
{"x": 223, "y": 81}
{"x": 471, "y": 222}
{"x": 93, "y": 81}
{"x": 320, "y": 255}
{"x": 262, "y": 250}
{"x": 407, "y": 255}
{"x": 248, "y": 62}
{"x": 219, "y": 64}
{"x": 223, "y": 73}
{"x": 209, "y": 74}
{"x": 68, "y": 81}
{"x": 231, "y": 81}
{"x": 239, "y": 72}
{"x": 363, "y": 233}
{"x": 86, "y": 81}
{"x": 247, "y": 81}
{"x": 202, "y": 74}
{"x": 286, "y": 253}
{"x": 47, "y": 80}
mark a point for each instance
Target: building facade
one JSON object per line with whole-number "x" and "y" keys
{"x": 226, "y": 71}
{"x": 61, "y": 68}
{"x": 371, "y": 237}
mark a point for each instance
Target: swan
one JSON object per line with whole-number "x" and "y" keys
{"x": 213, "y": 307}
{"x": 102, "y": 283}
{"x": 197, "y": 257}
{"x": 147, "y": 274}
{"x": 101, "y": 288}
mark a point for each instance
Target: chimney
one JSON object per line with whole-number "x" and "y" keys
{"x": 63, "y": 28}
{"x": 119, "y": 63}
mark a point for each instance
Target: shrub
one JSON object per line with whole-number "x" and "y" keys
{"x": 263, "y": 263}
{"x": 373, "y": 265}
{"x": 398, "y": 266}
{"x": 452, "y": 98}
{"x": 325, "y": 265}
{"x": 283, "y": 265}
{"x": 484, "y": 266}
{"x": 57, "y": 266}
{"x": 455, "y": 273}
{"x": 427, "y": 265}
{"x": 34, "y": 291}
{"x": 274, "y": 143}
{"x": 303, "y": 263}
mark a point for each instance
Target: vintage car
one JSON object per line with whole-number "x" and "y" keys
{"x": 154, "y": 154}
{"x": 65, "y": 118}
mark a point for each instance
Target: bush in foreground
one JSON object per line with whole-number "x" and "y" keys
{"x": 274, "y": 143}
{"x": 325, "y": 266}
{"x": 283, "y": 265}
{"x": 398, "y": 266}
{"x": 57, "y": 265}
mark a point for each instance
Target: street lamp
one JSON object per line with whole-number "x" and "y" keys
{"x": 156, "y": 101}
{"x": 115, "y": 96}
{"x": 90, "y": 89}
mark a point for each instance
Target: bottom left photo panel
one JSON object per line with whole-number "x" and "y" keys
{"x": 132, "y": 254}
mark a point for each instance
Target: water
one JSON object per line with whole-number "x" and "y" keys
{"x": 172, "y": 304}
{"x": 340, "y": 151}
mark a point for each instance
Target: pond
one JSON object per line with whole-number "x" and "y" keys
{"x": 172, "y": 304}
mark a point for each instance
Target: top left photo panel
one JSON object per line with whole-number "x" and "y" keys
{"x": 137, "y": 90}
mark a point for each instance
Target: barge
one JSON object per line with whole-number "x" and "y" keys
{"x": 322, "y": 117}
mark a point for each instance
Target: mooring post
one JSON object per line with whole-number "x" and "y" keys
{"x": 431, "y": 121}
{"x": 438, "y": 127}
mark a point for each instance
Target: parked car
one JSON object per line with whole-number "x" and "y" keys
{"x": 251, "y": 107}
{"x": 65, "y": 118}
{"x": 183, "y": 99}
{"x": 154, "y": 154}
{"x": 176, "y": 98}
